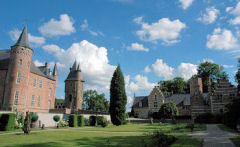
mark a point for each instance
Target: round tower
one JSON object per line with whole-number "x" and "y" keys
{"x": 74, "y": 88}
{"x": 15, "y": 94}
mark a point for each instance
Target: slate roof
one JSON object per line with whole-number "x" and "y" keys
{"x": 73, "y": 74}
{"x": 5, "y": 58}
{"x": 178, "y": 98}
{"x": 143, "y": 99}
{"x": 23, "y": 39}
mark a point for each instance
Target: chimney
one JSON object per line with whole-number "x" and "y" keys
{"x": 46, "y": 64}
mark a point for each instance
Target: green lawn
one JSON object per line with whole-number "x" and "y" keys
{"x": 226, "y": 128}
{"x": 236, "y": 141}
{"x": 127, "y": 135}
{"x": 145, "y": 127}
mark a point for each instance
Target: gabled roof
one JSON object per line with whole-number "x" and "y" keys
{"x": 142, "y": 99}
{"x": 23, "y": 39}
{"x": 178, "y": 98}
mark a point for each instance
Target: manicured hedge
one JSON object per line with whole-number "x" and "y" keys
{"x": 80, "y": 120}
{"x": 7, "y": 122}
{"x": 209, "y": 118}
{"x": 183, "y": 117}
{"x": 73, "y": 122}
{"x": 92, "y": 120}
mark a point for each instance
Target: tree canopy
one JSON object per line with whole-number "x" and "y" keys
{"x": 175, "y": 86}
{"x": 118, "y": 98}
{"x": 168, "y": 110}
{"x": 237, "y": 77}
{"x": 94, "y": 101}
{"x": 208, "y": 70}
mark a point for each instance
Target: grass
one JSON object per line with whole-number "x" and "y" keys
{"x": 145, "y": 127}
{"x": 226, "y": 128}
{"x": 112, "y": 136}
{"x": 236, "y": 141}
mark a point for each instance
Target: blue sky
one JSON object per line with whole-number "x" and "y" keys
{"x": 152, "y": 40}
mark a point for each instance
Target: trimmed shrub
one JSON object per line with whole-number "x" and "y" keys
{"x": 92, "y": 120}
{"x": 7, "y": 122}
{"x": 56, "y": 118}
{"x": 73, "y": 120}
{"x": 158, "y": 139}
{"x": 100, "y": 120}
{"x": 155, "y": 115}
{"x": 63, "y": 123}
{"x": 104, "y": 123}
{"x": 80, "y": 119}
{"x": 232, "y": 118}
{"x": 34, "y": 117}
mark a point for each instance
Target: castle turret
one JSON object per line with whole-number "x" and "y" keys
{"x": 55, "y": 74}
{"x": 74, "y": 88}
{"x": 17, "y": 79}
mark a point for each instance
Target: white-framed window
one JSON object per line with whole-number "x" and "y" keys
{"x": 155, "y": 104}
{"x": 18, "y": 77}
{"x": 50, "y": 92}
{"x": 40, "y": 84}
{"x": 39, "y": 101}
{"x": 49, "y": 104}
{"x": 33, "y": 100}
{"x": 155, "y": 97}
{"x": 16, "y": 97}
{"x": 34, "y": 82}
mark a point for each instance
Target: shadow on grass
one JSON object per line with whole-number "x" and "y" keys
{"x": 46, "y": 144}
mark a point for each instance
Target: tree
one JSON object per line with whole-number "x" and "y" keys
{"x": 237, "y": 77}
{"x": 118, "y": 98}
{"x": 94, "y": 101}
{"x": 210, "y": 71}
{"x": 27, "y": 122}
{"x": 168, "y": 110}
{"x": 175, "y": 86}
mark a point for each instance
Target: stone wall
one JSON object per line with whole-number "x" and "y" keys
{"x": 141, "y": 112}
{"x": 157, "y": 97}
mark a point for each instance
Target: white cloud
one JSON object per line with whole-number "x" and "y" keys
{"x": 38, "y": 63}
{"x": 165, "y": 30}
{"x": 210, "y": 16}
{"x": 184, "y": 70}
{"x": 235, "y": 21}
{"x": 141, "y": 84}
{"x": 161, "y": 69}
{"x": 228, "y": 9}
{"x": 147, "y": 69}
{"x": 85, "y": 26}
{"x": 185, "y": 3}
{"x": 228, "y": 66}
{"x": 236, "y": 10}
{"x": 34, "y": 40}
{"x": 208, "y": 60}
{"x": 129, "y": 100}
{"x": 96, "y": 70}
{"x": 222, "y": 39}
{"x": 64, "y": 26}
{"x": 137, "y": 47}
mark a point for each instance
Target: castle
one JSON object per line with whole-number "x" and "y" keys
{"x": 23, "y": 85}
{"x": 196, "y": 102}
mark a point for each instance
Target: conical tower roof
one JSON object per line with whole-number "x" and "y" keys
{"x": 55, "y": 70}
{"x": 74, "y": 67}
{"x": 23, "y": 39}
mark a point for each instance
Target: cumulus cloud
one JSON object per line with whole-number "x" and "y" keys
{"x": 236, "y": 10}
{"x": 164, "y": 29}
{"x": 147, "y": 69}
{"x": 228, "y": 66}
{"x": 137, "y": 47}
{"x": 210, "y": 16}
{"x": 64, "y": 26}
{"x": 208, "y": 60}
{"x": 235, "y": 21}
{"x": 228, "y": 9}
{"x": 38, "y": 63}
{"x": 184, "y": 70}
{"x": 140, "y": 84}
{"x": 222, "y": 39}
{"x": 35, "y": 41}
{"x": 96, "y": 70}
{"x": 185, "y": 3}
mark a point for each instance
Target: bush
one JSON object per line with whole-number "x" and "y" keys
{"x": 80, "y": 120}
{"x": 92, "y": 120}
{"x": 34, "y": 117}
{"x": 190, "y": 126}
{"x": 104, "y": 123}
{"x": 86, "y": 122}
{"x": 100, "y": 120}
{"x": 209, "y": 118}
{"x": 7, "y": 122}
{"x": 155, "y": 115}
{"x": 183, "y": 117}
{"x": 56, "y": 118}
{"x": 232, "y": 118}
{"x": 168, "y": 110}
{"x": 63, "y": 123}
{"x": 73, "y": 120}
{"x": 159, "y": 139}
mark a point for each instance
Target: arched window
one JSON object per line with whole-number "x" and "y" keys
{"x": 70, "y": 98}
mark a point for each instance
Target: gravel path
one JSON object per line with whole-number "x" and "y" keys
{"x": 215, "y": 137}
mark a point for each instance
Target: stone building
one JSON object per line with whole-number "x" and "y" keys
{"x": 23, "y": 85}
{"x": 74, "y": 88}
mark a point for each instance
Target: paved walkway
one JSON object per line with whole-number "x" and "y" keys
{"x": 215, "y": 137}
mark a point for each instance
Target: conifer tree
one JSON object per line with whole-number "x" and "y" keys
{"x": 118, "y": 98}
{"x": 237, "y": 77}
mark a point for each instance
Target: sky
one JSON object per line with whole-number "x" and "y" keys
{"x": 152, "y": 40}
